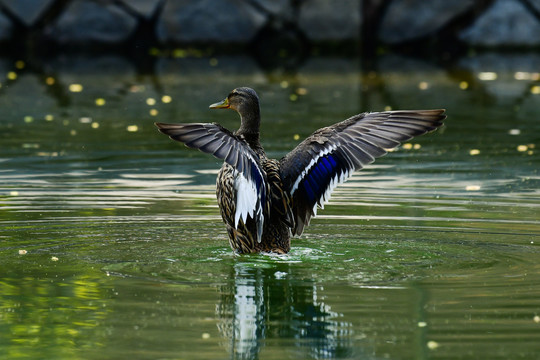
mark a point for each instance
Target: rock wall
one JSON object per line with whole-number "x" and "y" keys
{"x": 165, "y": 23}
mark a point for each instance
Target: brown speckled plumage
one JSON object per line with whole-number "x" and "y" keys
{"x": 262, "y": 201}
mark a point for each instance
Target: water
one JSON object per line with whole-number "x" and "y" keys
{"x": 111, "y": 244}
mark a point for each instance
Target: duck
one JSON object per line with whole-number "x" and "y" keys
{"x": 265, "y": 202}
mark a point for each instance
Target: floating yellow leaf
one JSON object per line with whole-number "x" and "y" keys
{"x": 76, "y": 88}
{"x": 487, "y": 76}
{"x": 423, "y": 85}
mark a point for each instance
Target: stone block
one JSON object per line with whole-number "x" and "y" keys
{"x": 407, "y": 20}
{"x": 324, "y": 20}
{"x": 27, "y": 11}
{"x": 145, "y": 8}
{"x": 225, "y": 21}
{"x": 505, "y": 23}
{"x": 5, "y": 28}
{"x": 89, "y": 21}
{"x": 275, "y": 7}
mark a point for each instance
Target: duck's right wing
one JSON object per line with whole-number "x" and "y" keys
{"x": 220, "y": 142}
{"x": 216, "y": 140}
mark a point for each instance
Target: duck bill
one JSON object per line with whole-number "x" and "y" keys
{"x": 221, "y": 105}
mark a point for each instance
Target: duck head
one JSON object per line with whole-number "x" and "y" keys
{"x": 245, "y": 102}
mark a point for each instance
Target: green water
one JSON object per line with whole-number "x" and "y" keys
{"x": 112, "y": 247}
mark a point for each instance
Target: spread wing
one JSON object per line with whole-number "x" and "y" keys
{"x": 220, "y": 142}
{"x": 330, "y": 155}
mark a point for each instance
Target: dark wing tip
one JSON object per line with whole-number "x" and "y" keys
{"x": 163, "y": 127}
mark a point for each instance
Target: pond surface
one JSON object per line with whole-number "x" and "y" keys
{"x": 111, "y": 243}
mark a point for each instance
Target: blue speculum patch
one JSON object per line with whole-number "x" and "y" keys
{"x": 318, "y": 178}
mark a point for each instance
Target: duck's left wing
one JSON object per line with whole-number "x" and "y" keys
{"x": 223, "y": 144}
{"x": 330, "y": 155}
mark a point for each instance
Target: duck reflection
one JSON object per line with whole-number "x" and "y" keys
{"x": 261, "y": 304}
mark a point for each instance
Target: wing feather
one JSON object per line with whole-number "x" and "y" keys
{"x": 220, "y": 142}
{"x": 330, "y": 155}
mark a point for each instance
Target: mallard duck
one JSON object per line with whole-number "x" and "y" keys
{"x": 263, "y": 201}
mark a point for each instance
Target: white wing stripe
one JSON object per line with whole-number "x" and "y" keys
{"x": 248, "y": 203}
{"x": 311, "y": 163}
{"x": 246, "y": 199}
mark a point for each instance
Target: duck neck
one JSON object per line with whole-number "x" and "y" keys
{"x": 249, "y": 127}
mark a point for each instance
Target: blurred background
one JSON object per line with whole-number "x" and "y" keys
{"x": 111, "y": 242}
